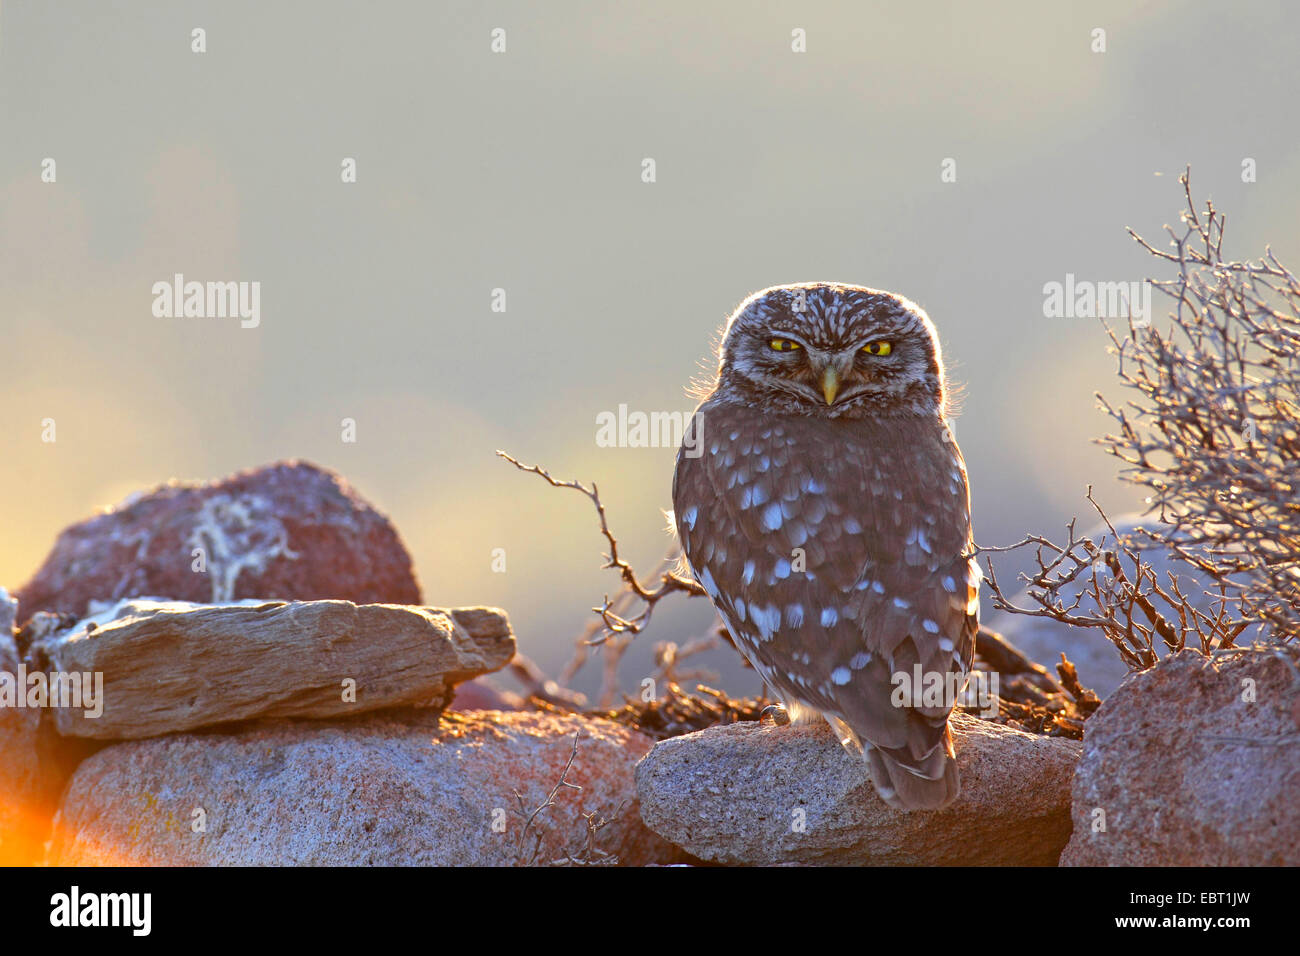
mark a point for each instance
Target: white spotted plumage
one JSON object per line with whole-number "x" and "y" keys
{"x": 833, "y": 533}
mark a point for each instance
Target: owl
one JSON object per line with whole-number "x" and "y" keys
{"x": 822, "y": 503}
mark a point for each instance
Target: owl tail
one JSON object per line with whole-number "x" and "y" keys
{"x": 905, "y": 787}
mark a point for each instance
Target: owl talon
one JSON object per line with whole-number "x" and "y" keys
{"x": 774, "y": 714}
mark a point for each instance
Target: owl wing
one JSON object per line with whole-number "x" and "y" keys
{"x": 836, "y": 552}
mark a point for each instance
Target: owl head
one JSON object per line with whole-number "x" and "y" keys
{"x": 831, "y": 350}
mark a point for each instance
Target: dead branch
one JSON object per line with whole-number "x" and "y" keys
{"x": 530, "y": 818}
{"x": 670, "y": 582}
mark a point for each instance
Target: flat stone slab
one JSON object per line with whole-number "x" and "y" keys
{"x": 756, "y": 794}
{"x": 170, "y": 666}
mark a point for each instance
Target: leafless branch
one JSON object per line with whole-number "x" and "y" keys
{"x": 1106, "y": 584}
{"x": 670, "y": 581}
{"x": 528, "y": 855}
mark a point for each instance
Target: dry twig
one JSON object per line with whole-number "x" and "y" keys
{"x": 528, "y": 856}
{"x": 1105, "y": 584}
{"x": 670, "y": 581}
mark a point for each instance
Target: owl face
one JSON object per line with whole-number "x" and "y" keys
{"x": 832, "y": 350}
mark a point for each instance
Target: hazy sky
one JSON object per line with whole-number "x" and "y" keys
{"x": 522, "y": 170}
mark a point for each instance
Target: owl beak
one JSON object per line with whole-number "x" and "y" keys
{"x": 830, "y": 384}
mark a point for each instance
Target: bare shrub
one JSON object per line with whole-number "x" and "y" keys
{"x": 1211, "y": 431}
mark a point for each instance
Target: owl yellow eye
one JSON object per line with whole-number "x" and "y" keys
{"x": 878, "y": 348}
{"x": 784, "y": 345}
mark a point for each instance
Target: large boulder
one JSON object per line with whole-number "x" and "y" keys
{"x": 403, "y": 789}
{"x": 751, "y": 793}
{"x": 1194, "y": 762}
{"x": 288, "y": 531}
{"x": 160, "y": 667}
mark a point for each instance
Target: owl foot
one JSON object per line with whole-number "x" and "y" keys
{"x": 774, "y": 714}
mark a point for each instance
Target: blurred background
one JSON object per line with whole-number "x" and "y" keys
{"x": 522, "y": 171}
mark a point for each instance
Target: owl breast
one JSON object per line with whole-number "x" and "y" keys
{"x": 836, "y": 551}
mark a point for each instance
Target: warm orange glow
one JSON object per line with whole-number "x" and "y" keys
{"x": 33, "y": 825}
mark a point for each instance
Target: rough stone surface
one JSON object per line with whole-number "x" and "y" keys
{"x": 1183, "y": 771}
{"x": 750, "y": 793}
{"x": 288, "y": 531}
{"x": 173, "y": 666}
{"x": 394, "y": 789}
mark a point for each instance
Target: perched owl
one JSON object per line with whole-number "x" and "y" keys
{"x": 823, "y": 506}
